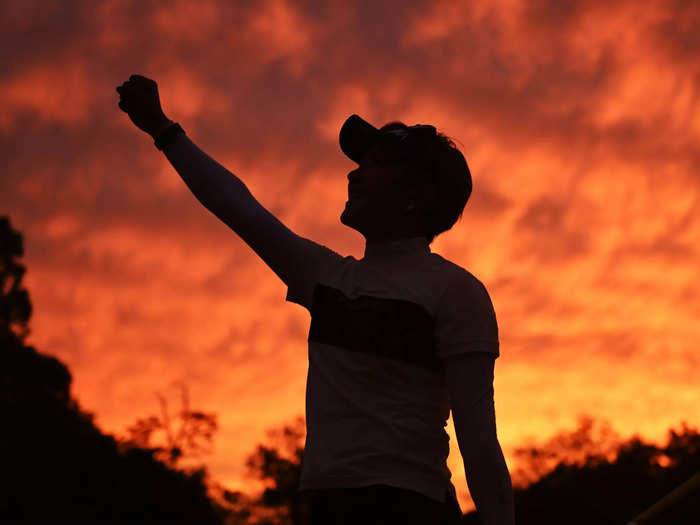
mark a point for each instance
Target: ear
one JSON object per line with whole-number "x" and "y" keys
{"x": 421, "y": 197}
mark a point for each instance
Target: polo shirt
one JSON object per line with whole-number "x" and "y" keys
{"x": 381, "y": 327}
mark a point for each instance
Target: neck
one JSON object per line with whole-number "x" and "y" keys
{"x": 392, "y": 247}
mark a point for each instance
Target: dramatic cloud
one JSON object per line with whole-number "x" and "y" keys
{"x": 580, "y": 123}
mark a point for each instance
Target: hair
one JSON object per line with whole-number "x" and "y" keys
{"x": 441, "y": 163}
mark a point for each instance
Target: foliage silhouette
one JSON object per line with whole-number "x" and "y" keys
{"x": 194, "y": 425}
{"x": 589, "y": 439}
{"x": 56, "y": 464}
{"x": 15, "y": 307}
{"x": 608, "y": 490}
{"x": 278, "y": 464}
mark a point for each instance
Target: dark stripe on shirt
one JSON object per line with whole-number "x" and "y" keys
{"x": 392, "y": 328}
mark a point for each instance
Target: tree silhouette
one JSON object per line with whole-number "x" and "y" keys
{"x": 15, "y": 307}
{"x": 589, "y": 439}
{"x": 185, "y": 441}
{"x": 56, "y": 464}
{"x": 278, "y": 464}
{"x": 604, "y": 490}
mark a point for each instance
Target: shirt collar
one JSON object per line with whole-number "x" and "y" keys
{"x": 396, "y": 248}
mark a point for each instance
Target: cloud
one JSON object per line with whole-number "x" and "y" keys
{"x": 54, "y": 93}
{"x": 579, "y": 122}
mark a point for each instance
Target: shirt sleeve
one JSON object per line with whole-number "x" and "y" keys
{"x": 465, "y": 320}
{"x": 312, "y": 262}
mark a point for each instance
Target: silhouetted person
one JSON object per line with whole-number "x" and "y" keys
{"x": 396, "y": 339}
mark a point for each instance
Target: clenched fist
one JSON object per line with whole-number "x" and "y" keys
{"x": 139, "y": 99}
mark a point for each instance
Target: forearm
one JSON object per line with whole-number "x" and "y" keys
{"x": 490, "y": 485}
{"x": 219, "y": 190}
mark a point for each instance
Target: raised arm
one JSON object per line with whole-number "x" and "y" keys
{"x": 219, "y": 190}
{"x": 227, "y": 197}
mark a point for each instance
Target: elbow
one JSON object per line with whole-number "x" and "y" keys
{"x": 479, "y": 447}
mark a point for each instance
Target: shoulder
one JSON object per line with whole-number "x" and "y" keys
{"x": 459, "y": 284}
{"x": 465, "y": 318}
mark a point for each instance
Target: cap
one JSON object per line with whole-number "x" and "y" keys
{"x": 357, "y": 136}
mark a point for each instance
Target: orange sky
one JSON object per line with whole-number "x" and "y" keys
{"x": 580, "y": 126}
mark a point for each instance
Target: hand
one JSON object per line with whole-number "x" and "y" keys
{"x": 139, "y": 99}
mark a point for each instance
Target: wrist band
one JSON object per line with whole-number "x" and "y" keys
{"x": 168, "y": 135}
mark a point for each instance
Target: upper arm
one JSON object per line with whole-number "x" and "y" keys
{"x": 469, "y": 377}
{"x": 296, "y": 260}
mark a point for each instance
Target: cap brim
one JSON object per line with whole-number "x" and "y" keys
{"x": 357, "y": 136}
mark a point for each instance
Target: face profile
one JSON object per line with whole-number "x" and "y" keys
{"x": 379, "y": 193}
